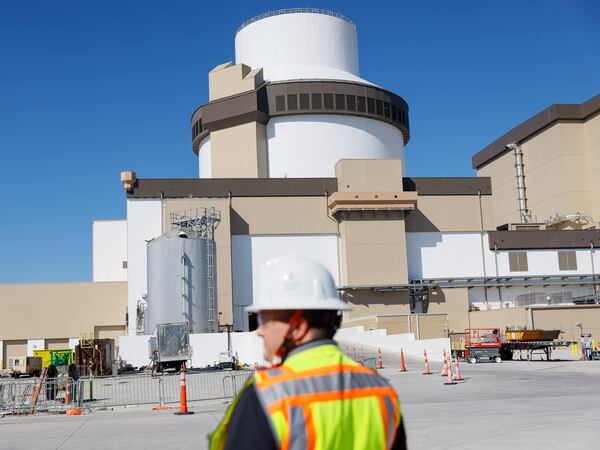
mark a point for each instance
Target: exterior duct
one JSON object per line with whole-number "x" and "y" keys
{"x": 520, "y": 176}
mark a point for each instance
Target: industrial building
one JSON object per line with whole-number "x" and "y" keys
{"x": 298, "y": 154}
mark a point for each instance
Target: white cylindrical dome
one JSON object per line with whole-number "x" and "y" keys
{"x": 310, "y": 145}
{"x": 204, "y": 158}
{"x": 299, "y": 44}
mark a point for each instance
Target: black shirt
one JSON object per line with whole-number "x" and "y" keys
{"x": 249, "y": 426}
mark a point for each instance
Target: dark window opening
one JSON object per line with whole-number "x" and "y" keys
{"x": 279, "y": 103}
{"x": 339, "y": 102}
{"x": 304, "y": 101}
{"x": 517, "y": 261}
{"x": 351, "y": 102}
{"x": 567, "y": 261}
{"x": 379, "y": 104}
{"x": 386, "y": 110}
{"x": 328, "y": 101}
{"x": 292, "y": 100}
{"x": 394, "y": 114}
{"x": 371, "y": 106}
{"x": 316, "y": 101}
{"x": 361, "y": 104}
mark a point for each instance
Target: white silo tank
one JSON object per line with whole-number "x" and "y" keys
{"x": 178, "y": 283}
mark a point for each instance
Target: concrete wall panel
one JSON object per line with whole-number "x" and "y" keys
{"x": 109, "y": 249}
{"x": 250, "y": 252}
{"x": 144, "y": 222}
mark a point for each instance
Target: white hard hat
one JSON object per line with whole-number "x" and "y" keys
{"x": 296, "y": 283}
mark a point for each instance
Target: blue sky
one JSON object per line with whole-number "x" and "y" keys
{"x": 89, "y": 89}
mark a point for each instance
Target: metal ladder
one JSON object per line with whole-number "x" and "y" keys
{"x": 210, "y": 286}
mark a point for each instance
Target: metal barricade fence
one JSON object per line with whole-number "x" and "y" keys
{"x": 35, "y": 394}
{"x": 159, "y": 389}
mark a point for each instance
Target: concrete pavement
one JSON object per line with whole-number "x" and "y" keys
{"x": 514, "y": 404}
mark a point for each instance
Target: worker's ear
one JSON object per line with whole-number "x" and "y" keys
{"x": 301, "y": 329}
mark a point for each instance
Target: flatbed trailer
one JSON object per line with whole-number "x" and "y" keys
{"x": 489, "y": 345}
{"x": 530, "y": 348}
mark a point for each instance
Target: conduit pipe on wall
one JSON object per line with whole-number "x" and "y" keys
{"x": 520, "y": 176}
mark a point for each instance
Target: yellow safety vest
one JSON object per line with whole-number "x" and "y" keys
{"x": 321, "y": 399}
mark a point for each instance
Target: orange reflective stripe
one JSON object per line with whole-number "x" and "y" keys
{"x": 328, "y": 370}
{"x": 306, "y": 399}
{"x": 384, "y": 417}
{"x": 311, "y": 435}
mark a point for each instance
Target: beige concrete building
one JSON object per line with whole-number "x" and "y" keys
{"x": 55, "y": 315}
{"x": 561, "y": 162}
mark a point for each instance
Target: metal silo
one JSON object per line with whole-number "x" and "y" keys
{"x": 182, "y": 273}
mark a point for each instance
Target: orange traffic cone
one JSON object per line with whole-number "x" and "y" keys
{"x": 183, "y": 410}
{"x": 379, "y": 359}
{"x": 457, "y": 375}
{"x": 426, "y": 371}
{"x": 402, "y": 366}
{"x": 445, "y": 369}
{"x": 449, "y": 378}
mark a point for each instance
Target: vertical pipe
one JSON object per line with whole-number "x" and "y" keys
{"x": 520, "y": 176}
{"x": 594, "y": 287}
{"x": 418, "y": 329}
{"x": 183, "y": 286}
{"x": 497, "y": 273}
{"x": 483, "y": 251}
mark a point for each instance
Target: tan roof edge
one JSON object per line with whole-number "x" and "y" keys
{"x": 360, "y": 201}
{"x": 534, "y": 125}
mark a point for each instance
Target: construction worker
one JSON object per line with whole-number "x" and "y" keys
{"x": 314, "y": 397}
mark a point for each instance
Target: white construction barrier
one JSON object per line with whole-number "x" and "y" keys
{"x": 379, "y": 339}
{"x": 206, "y": 347}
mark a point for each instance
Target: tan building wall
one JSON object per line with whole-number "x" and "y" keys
{"x": 369, "y": 175}
{"x": 566, "y": 153}
{"x": 451, "y": 213}
{"x": 229, "y": 79}
{"x": 372, "y": 242}
{"x": 567, "y": 319}
{"x": 58, "y": 344}
{"x": 499, "y": 318}
{"x": 223, "y": 242}
{"x": 281, "y": 215}
{"x": 455, "y": 303}
{"x": 592, "y": 145}
{"x": 239, "y": 151}
{"x": 373, "y": 249}
{"x": 57, "y": 310}
{"x": 367, "y": 303}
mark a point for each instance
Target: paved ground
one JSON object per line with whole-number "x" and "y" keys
{"x": 514, "y": 404}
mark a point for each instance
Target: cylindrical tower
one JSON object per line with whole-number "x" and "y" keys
{"x": 299, "y": 44}
{"x": 294, "y": 104}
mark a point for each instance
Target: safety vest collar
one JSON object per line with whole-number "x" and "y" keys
{"x": 308, "y": 346}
